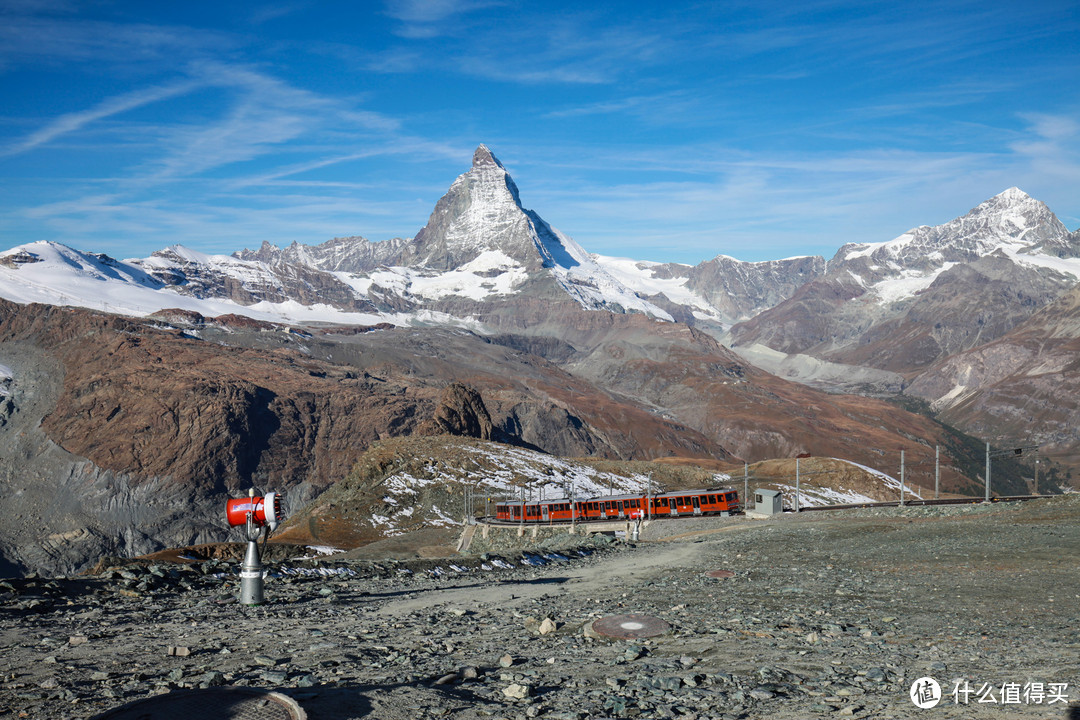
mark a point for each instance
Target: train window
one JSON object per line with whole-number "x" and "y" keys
{"x": 712, "y": 498}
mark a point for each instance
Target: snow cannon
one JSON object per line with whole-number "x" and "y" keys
{"x": 259, "y": 516}
{"x": 264, "y": 511}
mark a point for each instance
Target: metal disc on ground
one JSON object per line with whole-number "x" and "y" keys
{"x": 720, "y": 574}
{"x": 630, "y": 626}
{"x": 237, "y": 703}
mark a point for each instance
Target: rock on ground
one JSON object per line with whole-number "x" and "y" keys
{"x": 828, "y": 615}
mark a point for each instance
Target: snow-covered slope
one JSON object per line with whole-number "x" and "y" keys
{"x": 54, "y": 274}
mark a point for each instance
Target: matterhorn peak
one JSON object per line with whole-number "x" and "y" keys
{"x": 483, "y": 156}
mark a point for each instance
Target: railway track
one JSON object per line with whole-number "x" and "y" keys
{"x": 919, "y": 501}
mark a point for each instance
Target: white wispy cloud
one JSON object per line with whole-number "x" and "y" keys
{"x": 422, "y": 19}
{"x": 758, "y": 206}
{"x": 58, "y": 40}
{"x": 1050, "y": 149}
{"x": 259, "y": 115}
{"x": 72, "y": 122}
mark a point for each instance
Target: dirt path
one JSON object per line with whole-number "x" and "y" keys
{"x": 647, "y": 563}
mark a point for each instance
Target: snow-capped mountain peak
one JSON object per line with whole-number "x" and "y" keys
{"x": 481, "y": 218}
{"x": 1011, "y": 220}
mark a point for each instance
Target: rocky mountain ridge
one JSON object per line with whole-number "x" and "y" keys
{"x": 931, "y": 292}
{"x": 482, "y": 253}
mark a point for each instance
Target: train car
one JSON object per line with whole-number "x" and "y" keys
{"x": 708, "y": 501}
{"x": 613, "y": 507}
{"x": 533, "y": 511}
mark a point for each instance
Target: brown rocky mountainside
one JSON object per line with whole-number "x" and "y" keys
{"x": 905, "y": 304}
{"x": 1024, "y": 385}
{"x": 687, "y": 375}
{"x": 966, "y": 306}
{"x": 121, "y": 436}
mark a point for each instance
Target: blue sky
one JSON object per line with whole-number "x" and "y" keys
{"x": 654, "y": 130}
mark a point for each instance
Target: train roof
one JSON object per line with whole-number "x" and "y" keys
{"x": 698, "y": 491}
{"x": 604, "y": 498}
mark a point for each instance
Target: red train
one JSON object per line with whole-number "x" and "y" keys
{"x": 715, "y": 501}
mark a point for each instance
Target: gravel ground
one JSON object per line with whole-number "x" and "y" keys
{"x": 827, "y": 615}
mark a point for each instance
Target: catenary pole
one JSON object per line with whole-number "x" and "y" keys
{"x": 797, "y": 508}
{"x": 937, "y": 470}
{"x": 901, "y": 477}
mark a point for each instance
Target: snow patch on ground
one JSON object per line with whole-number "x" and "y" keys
{"x": 812, "y": 495}
{"x": 491, "y": 273}
{"x": 887, "y": 480}
{"x": 1067, "y": 266}
{"x": 6, "y": 376}
{"x": 815, "y": 496}
{"x": 641, "y": 276}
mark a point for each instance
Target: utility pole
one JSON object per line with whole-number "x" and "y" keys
{"x": 937, "y": 470}
{"x": 987, "y": 497}
{"x": 797, "y": 485}
{"x": 746, "y": 485}
{"x": 1036, "y": 472}
{"x": 901, "y": 477}
{"x": 648, "y": 499}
